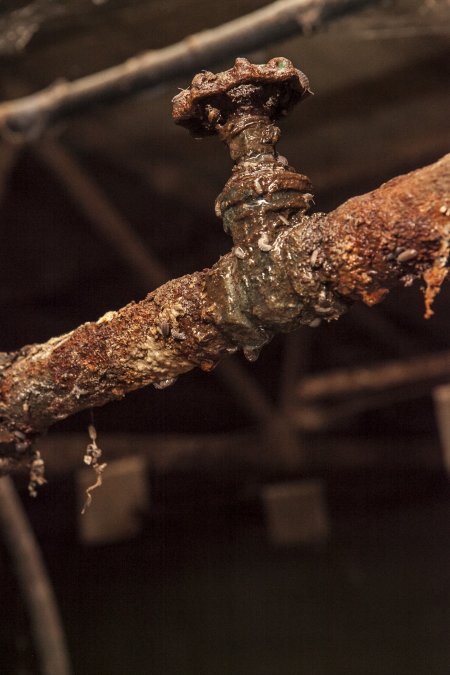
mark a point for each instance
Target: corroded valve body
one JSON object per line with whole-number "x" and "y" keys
{"x": 264, "y": 198}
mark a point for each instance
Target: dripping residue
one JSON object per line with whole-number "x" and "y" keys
{"x": 37, "y": 474}
{"x": 251, "y": 353}
{"x": 163, "y": 384}
{"x": 91, "y": 458}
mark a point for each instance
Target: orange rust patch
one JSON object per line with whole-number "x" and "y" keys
{"x": 374, "y": 297}
{"x": 207, "y": 365}
{"x": 433, "y": 279}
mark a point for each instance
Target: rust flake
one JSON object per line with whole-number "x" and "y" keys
{"x": 433, "y": 278}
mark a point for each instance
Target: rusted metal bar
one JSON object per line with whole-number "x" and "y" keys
{"x": 240, "y": 453}
{"x": 33, "y": 580}
{"x": 31, "y": 115}
{"x": 320, "y": 417}
{"x": 321, "y": 401}
{"x": 429, "y": 369}
{"x": 97, "y": 208}
{"x": 118, "y": 232}
{"x": 286, "y": 269}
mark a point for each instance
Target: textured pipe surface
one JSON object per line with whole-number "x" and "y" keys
{"x": 285, "y": 269}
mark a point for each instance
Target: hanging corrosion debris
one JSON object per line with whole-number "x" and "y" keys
{"x": 286, "y": 268}
{"x": 37, "y": 474}
{"x": 91, "y": 458}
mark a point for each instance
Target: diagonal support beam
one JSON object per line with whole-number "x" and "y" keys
{"x": 101, "y": 213}
{"x": 31, "y": 115}
{"x": 34, "y": 583}
{"x": 324, "y": 399}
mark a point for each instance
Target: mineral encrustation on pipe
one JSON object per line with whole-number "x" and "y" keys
{"x": 286, "y": 268}
{"x": 261, "y": 202}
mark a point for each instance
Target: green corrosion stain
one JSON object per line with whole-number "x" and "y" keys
{"x": 282, "y": 64}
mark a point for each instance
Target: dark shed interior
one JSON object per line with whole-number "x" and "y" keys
{"x": 316, "y": 547}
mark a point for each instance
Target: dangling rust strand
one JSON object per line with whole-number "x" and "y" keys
{"x": 286, "y": 268}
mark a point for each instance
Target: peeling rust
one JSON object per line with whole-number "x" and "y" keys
{"x": 433, "y": 278}
{"x": 104, "y": 360}
{"x": 285, "y": 269}
{"x": 396, "y": 231}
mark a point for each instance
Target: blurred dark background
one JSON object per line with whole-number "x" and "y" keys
{"x": 206, "y": 583}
